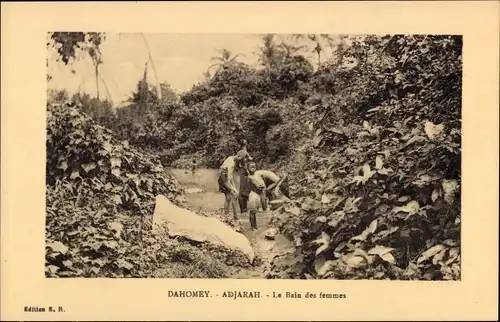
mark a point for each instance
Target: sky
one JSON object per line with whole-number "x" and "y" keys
{"x": 179, "y": 59}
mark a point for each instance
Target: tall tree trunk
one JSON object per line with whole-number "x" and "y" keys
{"x": 318, "y": 51}
{"x": 107, "y": 90}
{"x": 158, "y": 87}
{"x": 97, "y": 79}
{"x": 144, "y": 91}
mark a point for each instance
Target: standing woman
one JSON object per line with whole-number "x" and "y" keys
{"x": 226, "y": 182}
{"x": 244, "y": 181}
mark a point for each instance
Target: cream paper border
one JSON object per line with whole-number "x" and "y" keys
{"x": 24, "y": 28}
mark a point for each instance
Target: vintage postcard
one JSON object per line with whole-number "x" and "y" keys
{"x": 249, "y": 161}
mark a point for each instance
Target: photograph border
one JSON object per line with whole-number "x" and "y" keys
{"x": 23, "y": 166}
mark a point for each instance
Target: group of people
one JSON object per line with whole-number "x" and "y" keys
{"x": 256, "y": 186}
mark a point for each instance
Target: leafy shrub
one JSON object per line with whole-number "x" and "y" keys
{"x": 370, "y": 140}
{"x": 99, "y": 203}
{"x": 381, "y": 199}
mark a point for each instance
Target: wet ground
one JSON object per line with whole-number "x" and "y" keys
{"x": 202, "y": 193}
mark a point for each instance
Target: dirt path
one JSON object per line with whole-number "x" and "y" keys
{"x": 202, "y": 194}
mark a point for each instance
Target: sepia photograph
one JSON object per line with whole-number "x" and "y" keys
{"x": 324, "y": 160}
{"x": 253, "y": 156}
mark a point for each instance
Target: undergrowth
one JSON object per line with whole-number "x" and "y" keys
{"x": 100, "y": 198}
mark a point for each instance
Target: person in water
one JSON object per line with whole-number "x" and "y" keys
{"x": 194, "y": 167}
{"x": 226, "y": 181}
{"x": 244, "y": 183}
{"x": 262, "y": 184}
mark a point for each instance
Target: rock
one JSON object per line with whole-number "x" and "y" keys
{"x": 185, "y": 223}
{"x": 271, "y": 233}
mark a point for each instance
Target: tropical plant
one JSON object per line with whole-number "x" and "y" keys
{"x": 225, "y": 60}
{"x": 69, "y": 44}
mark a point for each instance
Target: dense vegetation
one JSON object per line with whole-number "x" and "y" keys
{"x": 99, "y": 206}
{"x": 371, "y": 139}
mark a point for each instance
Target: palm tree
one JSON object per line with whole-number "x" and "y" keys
{"x": 319, "y": 42}
{"x": 291, "y": 50}
{"x": 271, "y": 53}
{"x": 275, "y": 50}
{"x": 225, "y": 59}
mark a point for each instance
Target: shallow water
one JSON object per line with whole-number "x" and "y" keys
{"x": 208, "y": 198}
{"x": 205, "y": 179}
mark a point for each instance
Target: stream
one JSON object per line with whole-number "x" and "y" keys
{"x": 202, "y": 192}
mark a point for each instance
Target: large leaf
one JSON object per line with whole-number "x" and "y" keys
{"x": 384, "y": 253}
{"x": 414, "y": 139}
{"x": 325, "y": 199}
{"x": 367, "y": 174}
{"x": 317, "y": 140}
{"x": 384, "y": 233}
{"x": 337, "y": 203}
{"x": 117, "y": 199}
{"x": 362, "y": 253}
{"x": 107, "y": 146}
{"x": 438, "y": 257}
{"x": 380, "y": 250}
{"x": 388, "y": 257}
{"x": 116, "y": 226}
{"x": 63, "y": 166}
{"x": 58, "y": 247}
{"x": 321, "y": 219}
{"x": 453, "y": 255}
{"x": 350, "y": 204}
{"x": 74, "y": 175}
{"x": 116, "y": 172}
{"x": 379, "y": 163}
{"x": 51, "y": 269}
{"x": 367, "y": 232}
{"x": 111, "y": 244}
{"x": 433, "y": 131}
{"x": 411, "y": 208}
{"x": 449, "y": 188}
{"x": 354, "y": 261}
{"x": 115, "y": 162}
{"x": 435, "y": 195}
{"x": 89, "y": 166}
{"x": 429, "y": 253}
{"x": 293, "y": 210}
{"x": 324, "y": 239}
{"x": 321, "y": 249}
{"x": 336, "y": 218}
{"x": 324, "y": 268}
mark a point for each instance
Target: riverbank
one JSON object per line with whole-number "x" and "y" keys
{"x": 206, "y": 197}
